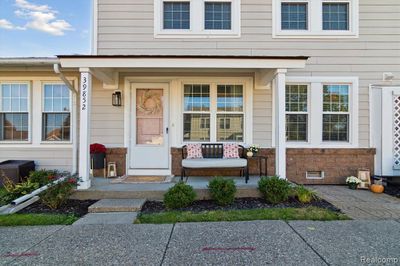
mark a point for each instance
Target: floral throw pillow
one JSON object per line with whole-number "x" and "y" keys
{"x": 194, "y": 151}
{"x": 231, "y": 150}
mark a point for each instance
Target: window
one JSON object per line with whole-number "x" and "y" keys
{"x": 296, "y": 112}
{"x": 196, "y": 112}
{"x": 197, "y": 18}
{"x": 322, "y": 112}
{"x": 335, "y": 113}
{"x": 335, "y": 16}
{"x": 176, "y": 15}
{"x": 56, "y": 115}
{"x": 14, "y": 112}
{"x": 315, "y": 18}
{"x": 294, "y": 16}
{"x": 213, "y": 112}
{"x": 217, "y": 16}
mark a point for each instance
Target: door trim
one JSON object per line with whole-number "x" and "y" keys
{"x": 130, "y": 97}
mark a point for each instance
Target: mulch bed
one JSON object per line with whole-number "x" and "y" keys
{"x": 238, "y": 204}
{"x": 76, "y": 207}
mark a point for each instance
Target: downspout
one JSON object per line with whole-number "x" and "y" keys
{"x": 57, "y": 70}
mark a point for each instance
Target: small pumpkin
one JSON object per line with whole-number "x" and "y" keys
{"x": 376, "y": 188}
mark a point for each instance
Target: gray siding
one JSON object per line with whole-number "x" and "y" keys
{"x": 45, "y": 158}
{"x": 126, "y": 27}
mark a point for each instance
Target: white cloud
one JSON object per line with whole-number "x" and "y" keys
{"x": 5, "y": 24}
{"x": 39, "y": 17}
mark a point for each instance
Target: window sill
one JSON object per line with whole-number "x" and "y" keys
{"x": 192, "y": 35}
{"x": 310, "y": 35}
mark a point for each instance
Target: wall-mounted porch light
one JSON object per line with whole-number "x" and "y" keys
{"x": 117, "y": 98}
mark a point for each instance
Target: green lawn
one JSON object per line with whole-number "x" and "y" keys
{"x": 311, "y": 213}
{"x": 36, "y": 219}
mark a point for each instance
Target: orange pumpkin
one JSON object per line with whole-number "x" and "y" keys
{"x": 377, "y": 188}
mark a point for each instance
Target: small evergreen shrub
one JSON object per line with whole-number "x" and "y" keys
{"x": 179, "y": 196}
{"x": 222, "y": 190}
{"x": 58, "y": 194}
{"x": 43, "y": 177}
{"x": 304, "y": 195}
{"x": 274, "y": 189}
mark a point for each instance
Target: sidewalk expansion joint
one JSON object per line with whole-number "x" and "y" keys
{"x": 166, "y": 247}
{"x": 305, "y": 241}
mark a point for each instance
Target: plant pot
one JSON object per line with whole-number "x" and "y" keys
{"x": 353, "y": 185}
{"x": 97, "y": 159}
{"x": 249, "y": 154}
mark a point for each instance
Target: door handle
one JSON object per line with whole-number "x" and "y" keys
{"x": 166, "y": 129}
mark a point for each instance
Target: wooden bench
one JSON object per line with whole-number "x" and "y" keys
{"x": 213, "y": 159}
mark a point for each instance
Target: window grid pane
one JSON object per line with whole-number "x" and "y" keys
{"x": 296, "y": 100}
{"x": 195, "y": 127}
{"x": 294, "y": 16}
{"x": 56, "y": 113}
{"x": 336, "y": 98}
{"x": 335, "y": 16}
{"x": 230, "y": 98}
{"x": 230, "y": 127}
{"x": 335, "y": 127}
{"x": 177, "y": 15}
{"x": 217, "y": 16}
{"x": 14, "y": 116}
{"x": 196, "y": 98}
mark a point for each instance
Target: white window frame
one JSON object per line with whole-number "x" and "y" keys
{"x": 304, "y": 113}
{"x": 315, "y": 109}
{"x": 43, "y": 111}
{"x": 197, "y": 21}
{"x": 315, "y": 27}
{"x": 247, "y": 84}
{"x": 28, "y": 108}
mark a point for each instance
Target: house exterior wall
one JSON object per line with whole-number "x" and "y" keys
{"x": 46, "y": 155}
{"x": 126, "y": 27}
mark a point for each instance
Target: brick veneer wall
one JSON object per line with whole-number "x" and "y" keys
{"x": 117, "y": 155}
{"x": 336, "y": 163}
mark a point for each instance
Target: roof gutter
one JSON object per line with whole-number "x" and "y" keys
{"x": 28, "y": 61}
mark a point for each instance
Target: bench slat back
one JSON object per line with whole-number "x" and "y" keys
{"x": 214, "y": 150}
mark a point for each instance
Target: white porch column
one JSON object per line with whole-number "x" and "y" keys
{"x": 280, "y": 130}
{"x": 84, "y": 128}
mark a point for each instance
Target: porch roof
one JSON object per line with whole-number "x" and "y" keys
{"x": 181, "y": 61}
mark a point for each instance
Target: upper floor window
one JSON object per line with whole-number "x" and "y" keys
{"x": 14, "y": 112}
{"x": 176, "y": 15}
{"x": 315, "y": 18}
{"x": 196, "y": 18}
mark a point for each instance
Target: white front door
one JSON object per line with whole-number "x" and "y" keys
{"x": 149, "y": 148}
{"x": 391, "y": 131}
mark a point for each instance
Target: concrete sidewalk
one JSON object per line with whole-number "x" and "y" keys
{"x": 224, "y": 243}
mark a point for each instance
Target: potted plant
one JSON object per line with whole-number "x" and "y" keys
{"x": 252, "y": 150}
{"x": 353, "y": 182}
{"x": 97, "y": 155}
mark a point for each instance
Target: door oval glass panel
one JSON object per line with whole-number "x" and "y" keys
{"x": 149, "y": 117}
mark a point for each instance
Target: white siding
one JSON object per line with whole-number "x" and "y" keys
{"x": 126, "y": 27}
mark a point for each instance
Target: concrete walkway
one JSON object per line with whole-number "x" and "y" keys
{"x": 235, "y": 243}
{"x": 360, "y": 204}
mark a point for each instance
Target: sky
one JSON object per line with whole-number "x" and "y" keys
{"x": 42, "y": 28}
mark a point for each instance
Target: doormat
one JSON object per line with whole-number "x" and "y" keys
{"x": 141, "y": 179}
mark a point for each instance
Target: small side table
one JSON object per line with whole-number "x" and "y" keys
{"x": 261, "y": 160}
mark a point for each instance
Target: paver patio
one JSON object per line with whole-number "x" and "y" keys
{"x": 223, "y": 243}
{"x": 360, "y": 204}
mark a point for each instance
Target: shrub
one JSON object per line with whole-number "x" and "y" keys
{"x": 274, "y": 189}
{"x": 56, "y": 195}
{"x": 179, "y": 196}
{"x": 15, "y": 191}
{"x": 304, "y": 195}
{"x": 222, "y": 190}
{"x": 43, "y": 177}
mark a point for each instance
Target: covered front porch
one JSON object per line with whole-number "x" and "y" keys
{"x": 167, "y": 76}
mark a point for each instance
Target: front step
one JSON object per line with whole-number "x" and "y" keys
{"x": 107, "y": 218}
{"x": 117, "y": 205}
